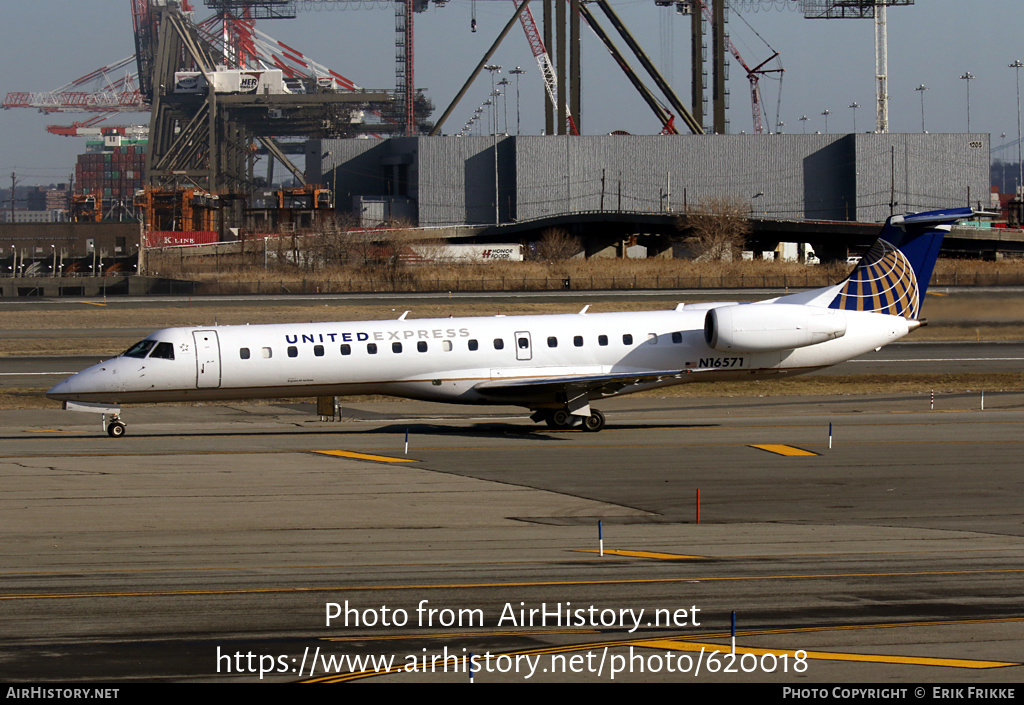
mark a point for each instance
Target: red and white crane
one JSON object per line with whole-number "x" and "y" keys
{"x": 753, "y": 74}
{"x": 104, "y": 90}
{"x": 547, "y": 69}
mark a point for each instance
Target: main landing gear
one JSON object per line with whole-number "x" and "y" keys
{"x": 562, "y": 419}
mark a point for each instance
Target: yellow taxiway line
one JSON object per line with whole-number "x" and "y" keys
{"x": 693, "y": 646}
{"x": 706, "y": 650}
{"x": 642, "y": 554}
{"x": 782, "y": 449}
{"x": 365, "y": 456}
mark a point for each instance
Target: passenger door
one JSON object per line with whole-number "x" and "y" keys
{"x": 207, "y": 359}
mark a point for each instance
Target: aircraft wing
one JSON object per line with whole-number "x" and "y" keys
{"x": 576, "y": 388}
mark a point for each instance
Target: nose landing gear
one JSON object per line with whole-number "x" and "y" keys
{"x": 116, "y": 428}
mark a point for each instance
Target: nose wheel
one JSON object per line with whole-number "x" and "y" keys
{"x": 116, "y": 429}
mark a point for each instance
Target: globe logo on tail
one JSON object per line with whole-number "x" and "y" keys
{"x": 883, "y": 282}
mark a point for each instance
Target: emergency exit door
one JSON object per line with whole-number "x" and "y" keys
{"x": 524, "y": 347}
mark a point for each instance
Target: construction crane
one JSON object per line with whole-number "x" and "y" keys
{"x": 93, "y": 128}
{"x": 99, "y": 91}
{"x": 235, "y": 43}
{"x": 547, "y": 69}
{"x": 753, "y": 74}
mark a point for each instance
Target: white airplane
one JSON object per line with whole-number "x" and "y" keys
{"x": 554, "y": 365}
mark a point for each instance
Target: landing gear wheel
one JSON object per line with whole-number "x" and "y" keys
{"x": 594, "y": 422}
{"x": 562, "y": 419}
{"x": 116, "y": 429}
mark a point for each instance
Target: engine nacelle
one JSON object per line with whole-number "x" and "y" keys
{"x": 771, "y": 327}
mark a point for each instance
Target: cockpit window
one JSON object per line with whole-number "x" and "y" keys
{"x": 164, "y": 351}
{"x": 140, "y": 349}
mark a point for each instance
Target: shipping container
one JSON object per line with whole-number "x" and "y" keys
{"x": 183, "y": 238}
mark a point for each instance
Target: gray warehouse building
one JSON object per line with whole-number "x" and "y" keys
{"x": 444, "y": 181}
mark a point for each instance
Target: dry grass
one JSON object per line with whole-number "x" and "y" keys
{"x": 231, "y": 268}
{"x": 597, "y": 272}
{"x": 829, "y": 385}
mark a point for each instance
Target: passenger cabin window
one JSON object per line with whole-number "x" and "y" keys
{"x": 346, "y": 349}
{"x": 578, "y": 341}
{"x": 652, "y": 338}
{"x": 602, "y": 340}
{"x": 267, "y": 353}
{"x": 396, "y": 347}
{"x": 421, "y": 346}
{"x": 499, "y": 343}
{"x": 677, "y": 337}
{"x": 524, "y": 343}
{"x": 371, "y": 348}
{"x": 473, "y": 345}
{"x": 293, "y": 351}
{"x": 552, "y": 342}
{"x": 318, "y": 350}
{"x": 627, "y": 339}
{"x": 446, "y": 345}
{"x": 243, "y": 353}
{"x": 140, "y": 349}
{"x": 163, "y": 351}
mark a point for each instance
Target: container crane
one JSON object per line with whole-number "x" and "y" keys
{"x": 753, "y": 74}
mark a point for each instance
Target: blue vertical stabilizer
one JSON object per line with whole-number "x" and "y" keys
{"x": 893, "y": 276}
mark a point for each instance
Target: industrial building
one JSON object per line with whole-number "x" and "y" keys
{"x": 223, "y": 95}
{"x": 443, "y": 181}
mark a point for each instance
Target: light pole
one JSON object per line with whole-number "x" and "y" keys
{"x": 517, "y": 72}
{"x": 854, "y": 105}
{"x": 921, "y": 89}
{"x": 826, "y": 113}
{"x": 1020, "y": 164}
{"x": 504, "y": 101}
{"x": 493, "y": 69}
{"x": 803, "y": 120}
{"x": 968, "y": 76}
{"x": 494, "y": 123}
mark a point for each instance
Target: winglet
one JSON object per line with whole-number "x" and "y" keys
{"x": 893, "y": 276}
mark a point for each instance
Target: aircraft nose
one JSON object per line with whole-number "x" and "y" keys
{"x": 89, "y": 381}
{"x": 70, "y": 388}
{"x": 60, "y": 390}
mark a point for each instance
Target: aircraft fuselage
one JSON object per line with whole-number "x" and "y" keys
{"x": 462, "y": 360}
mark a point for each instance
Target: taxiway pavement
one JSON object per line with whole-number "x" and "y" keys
{"x": 211, "y": 542}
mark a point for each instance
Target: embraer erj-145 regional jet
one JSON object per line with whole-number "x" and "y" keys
{"x": 554, "y": 365}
